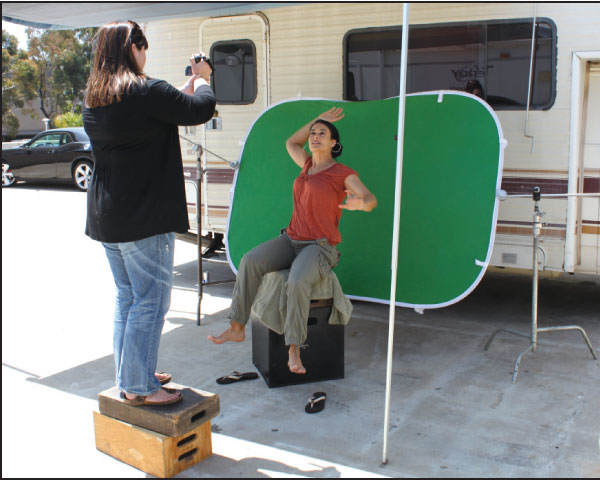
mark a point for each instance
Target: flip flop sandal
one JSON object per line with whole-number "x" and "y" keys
{"x": 142, "y": 400}
{"x": 316, "y": 403}
{"x": 166, "y": 379}
{"x": 236, "y": 377}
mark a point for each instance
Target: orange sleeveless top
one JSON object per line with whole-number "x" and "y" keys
{"x": 316, "y": 198}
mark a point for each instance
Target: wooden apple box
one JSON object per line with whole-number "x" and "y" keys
{"x": 152, "y": 452}
{"x": 159, "y": 440}
{"x": 173, "y": 420}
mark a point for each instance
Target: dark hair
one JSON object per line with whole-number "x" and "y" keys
{"x": 336, "y": 151}
{"x": 114, "y": 68}
{"x": 473, "y": 85}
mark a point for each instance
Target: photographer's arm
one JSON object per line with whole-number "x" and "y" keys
{"x": 192, "y": 104}
{"x": 190, "y": 86}
{"x": 167, "y": 104}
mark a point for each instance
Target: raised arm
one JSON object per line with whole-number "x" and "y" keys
{"x": 201, "y": 72}
{"x": 193, "y": 104}
{"x": 295, "y": 144}
{"x": 359, "y": 197}
{"x": 167, "y": 104}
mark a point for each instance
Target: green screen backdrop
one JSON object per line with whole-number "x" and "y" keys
{"x": 451, "y": 170}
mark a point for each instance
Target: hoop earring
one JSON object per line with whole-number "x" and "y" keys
{"x": 336, "y": 150}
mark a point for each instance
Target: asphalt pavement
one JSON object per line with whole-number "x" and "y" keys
{"x": 454, "y": 410}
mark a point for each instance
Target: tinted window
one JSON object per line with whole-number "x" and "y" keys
{"x": 50, "y": 140}
{"x": 234, "y": 78}
{"x": 442, "y": 57}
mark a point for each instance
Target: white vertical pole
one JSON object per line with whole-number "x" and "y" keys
{"x": 577, "y": 99}
{"x": 396, "y": 236}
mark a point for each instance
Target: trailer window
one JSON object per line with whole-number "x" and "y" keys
{"x": 496, "y": 54}
{"x": 234, "y": 77}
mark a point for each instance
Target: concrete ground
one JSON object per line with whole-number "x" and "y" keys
{"x": 454, "y": 410}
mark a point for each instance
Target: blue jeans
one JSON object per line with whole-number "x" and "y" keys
{"x": 143, "y": 274}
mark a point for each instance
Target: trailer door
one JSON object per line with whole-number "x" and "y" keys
{"x": 238, "y": 48}
{"x": 590, "y": 206}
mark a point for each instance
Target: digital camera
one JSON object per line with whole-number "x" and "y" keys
{"x": 198, "y": 59}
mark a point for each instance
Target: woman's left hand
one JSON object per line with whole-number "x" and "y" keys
{"x": 358, "y": 196}
{"x": 353, "y": 201}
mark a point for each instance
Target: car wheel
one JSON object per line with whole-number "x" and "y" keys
{"x": 7, "y": 177}
{"x": 82, "y": 174}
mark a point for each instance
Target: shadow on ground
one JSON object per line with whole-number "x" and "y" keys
{"x": 454, "y": 410}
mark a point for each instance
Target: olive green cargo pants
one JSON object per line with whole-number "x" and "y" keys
{"x": 308, "y": 261}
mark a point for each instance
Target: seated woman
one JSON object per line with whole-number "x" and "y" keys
{"x": 308, "y": 246}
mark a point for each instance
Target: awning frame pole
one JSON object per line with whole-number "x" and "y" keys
{"x": 396, "y": 235}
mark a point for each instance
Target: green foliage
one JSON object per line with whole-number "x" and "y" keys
{"x": 18, "y": 74}
{"x": 10, "y": 44}
{"x": 10, "y": 123}
{"x": 54, "y": 69}
{"x": 69, "y": 119}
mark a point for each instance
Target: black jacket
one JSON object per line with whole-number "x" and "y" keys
{"x": 137, "y": 188}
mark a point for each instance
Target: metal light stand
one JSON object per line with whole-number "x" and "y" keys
{"x": 537, "y": 228}
{"x": 199, "y": 149}
{"x": 199, "y": 173}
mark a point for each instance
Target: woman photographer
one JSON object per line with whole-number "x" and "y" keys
{"x": 136, "y": 198}
{"x": 308, "y": 247}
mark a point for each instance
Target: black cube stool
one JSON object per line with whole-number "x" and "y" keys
{"x": 323, "y": 356}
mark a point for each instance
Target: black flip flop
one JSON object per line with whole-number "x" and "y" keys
{"x": 236, "y": 377}
{"x": 316, "y": 403}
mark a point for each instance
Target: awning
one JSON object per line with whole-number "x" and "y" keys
{"x": 63, "y": 15}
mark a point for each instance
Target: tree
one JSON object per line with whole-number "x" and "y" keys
{"x": 54, "y": 69}
{"x": 62, "y": 59}
{"x": 68, "y": 119}
{"x": 18, "y": 77}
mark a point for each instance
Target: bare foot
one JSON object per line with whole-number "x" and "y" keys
{"x": 295, "y": 363}
{"x": 235, "y": 333}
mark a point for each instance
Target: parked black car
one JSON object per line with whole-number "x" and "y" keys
{"x": 57, "y": 155}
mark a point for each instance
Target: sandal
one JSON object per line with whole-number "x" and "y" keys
{"x": 236, "y": 377}
{"x": 143, "y": 400}
{"x": 316, "y": 403}
{"x": 166, "y": 379}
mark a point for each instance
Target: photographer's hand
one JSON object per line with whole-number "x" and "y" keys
{"x": 201, "y": 72}
{"x": 202, "y": 68}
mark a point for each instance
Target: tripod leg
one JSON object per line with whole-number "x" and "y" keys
{"x": 518, "y": 362}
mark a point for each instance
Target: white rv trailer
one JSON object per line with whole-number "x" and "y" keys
{"x": 538, "y": 64}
